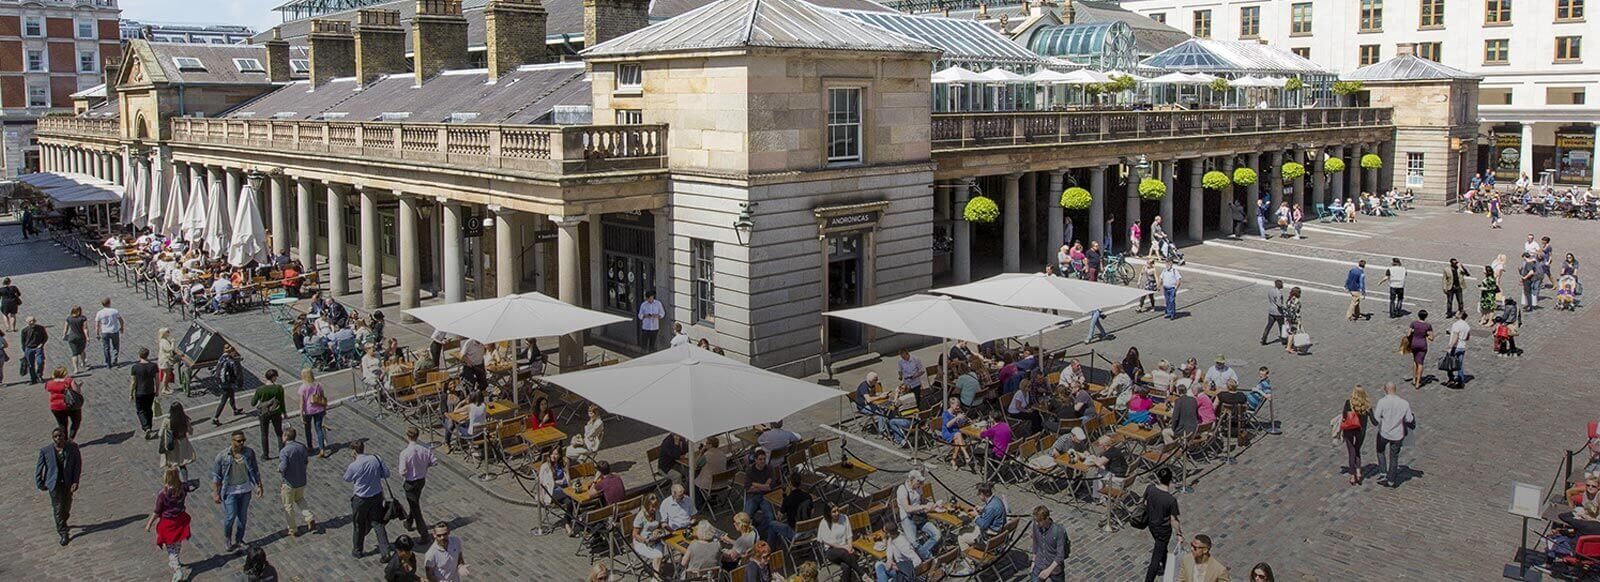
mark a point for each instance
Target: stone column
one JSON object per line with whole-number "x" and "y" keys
{"x": 1029, "y": 213}
{"x": 1370, "y": 184}
{"x": 1132, "y": 215}
{"x": 1336, "y": 181}
{"x": 338, "y": 265}
{"x": 1594, "y": 167}
{"x": 1197, "y": 200}
{"x": 1318, "y": 180}
{"x": 507, "y": 248}
{"x": 570, "y": 267}
{"x": 1229, "y": 194}
{"x": 1011, "y": 252}
{"x": 961, "y": 262}
{"x": 371, "y": 251}
{"x": 1168, "y": 176}
{"x": 1527, "y": 151}
{"x": 1353, "y": 172}
{"x": 1275, "y": 185}
{"x": 454, "y": 283}
{"x": 1056, "y": 217}
{"x": 116, "y": 169}
{"x": 410, "y": 255}
{"x": 100, "y": 169}
{"x": 306, "y": 222}
{"x": 233, "y": 183}
{"x": 1394, "y": 165}
{"x": 1097, "y": 203}
{"x": 1253, "y": 191}
{"x": 279, "y": 187}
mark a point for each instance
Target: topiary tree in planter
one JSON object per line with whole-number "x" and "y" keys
{"x": 1215, "y": 180}
{"x": 1332, "y": 165}
{"x": 982, "y": 210}
{"x": 1293, "y": 170}
{"x": 1371, "y": 162}
{"x": 1076, "y": 198}
{"x": 1152, "y": 189}
{"x": 1244, "y": 176}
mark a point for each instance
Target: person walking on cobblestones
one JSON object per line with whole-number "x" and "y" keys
{"x": 234, "y": 476}
{"x": 66, "y": 402}
{"x": 1353, "y": 429}
{"x": 1394, "y": 419}
{"x": 10, "y": 302}
{"x": 1455, "y": 276}
{"x": 1395, "y": 276}
{"x": 313, "y": 409}
{"x": 365, "y": 475}
{"x": 292, "y": 460}
{"x": 1199, "y": 565}
{"x": 1274, "y": 313}
{"x": 57, "y": 472}
{"x": 108, "y": 325}
{"x": 403, "y": 566}
{"x": 170, "y": 520}
{"x": 5, "y": 356}
{"x": 1161, "y": 513}
{"x": 444, "y": 562}
{"x": 1355, "y": 282}
{"x": 1171, "y": 279}
{"x": 1459, "y": 332}
{"x": 415, "y": 460}
{"x": 230, "y": 376}
{"x": 33, "y": 337}
{"x": 269, "y": 404}
{"x": 77, "y": 337}
{"x": 1050, "y": 548}
{"x": 142, "y": 391}
{"x": 173, "y": 441}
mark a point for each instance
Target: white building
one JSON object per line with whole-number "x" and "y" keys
{"x": 1535, "y": 96}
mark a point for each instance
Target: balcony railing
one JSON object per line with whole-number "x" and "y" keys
{"x": 73, "y": 126}
{"x": 552, "y": 149}
{"x": 953, "y": 131}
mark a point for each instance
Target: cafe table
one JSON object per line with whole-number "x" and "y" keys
{"x": 871, "y": 545}
{"x": 1139, "y": 433}
{"x": 849, "y": 472}
{"x": 543, "y": 437}
{"x": 951, "y": 515}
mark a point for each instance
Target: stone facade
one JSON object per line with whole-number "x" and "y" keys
{"x": 380, "y": 45}
{"x": 604, "y": 20}
{"x": 1436, "y": 125}
{"x": 438, "y": 38}
{"x": 515, "y": 31}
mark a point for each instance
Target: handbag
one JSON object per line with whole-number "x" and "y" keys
{"x": 72, "y": 398}
{"x": 1139, "y": 519}
{"x": 318, "y": 398}
{"x": 392, "y": 508}
{"x": 270, "y": 407}
{"x": 1405, "y": 343}
{"x": 1511, "y": 328}
{"x": 1300, "y": 340}
{"x": 1352, "y": 421}
{"x": 1449, "y": 363}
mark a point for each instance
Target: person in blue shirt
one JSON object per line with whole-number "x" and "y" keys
{"x": 1356, "y": 283}
{"x": 234, "y": 475}
{"x": 366, "y": 475}
{"x": 991, "y": 516}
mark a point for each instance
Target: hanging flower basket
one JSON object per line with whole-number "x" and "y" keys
{"x": 1332, "y": 165}
{"x": 1076, "y": 198}
{"x": 1244, "y": 176}
{"x": 1215, "y": 180}
{"x": 1293, "y": 84}
{"x": 1152, "y": 189}
{"x": 1371, "y": 162}
{"x": 982, "y": 210}
{"x": 1293, "y": 170}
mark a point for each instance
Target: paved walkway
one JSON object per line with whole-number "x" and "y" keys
{"x": 1284, "y": 502}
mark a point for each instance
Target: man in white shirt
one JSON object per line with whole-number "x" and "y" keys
{"x": 1171, "y": 279}
{"x": 473, "y": 372}
{"x": 650, "y": 314}
{"x": 899, "y": 554}
{"x": 1392, "y": 414}
{"x": 444, "y": 561}
{"x": 1396, "y": 276}
{"x": 679, "y": 337}
{"x": 1459, "y": 332}
{"x": 108, "y": 325}
{"x": 1218, "y": 376}
{"x": 221, "y": 293}
{"x": 677, "y": 511}
{"x": 913, "y": 509}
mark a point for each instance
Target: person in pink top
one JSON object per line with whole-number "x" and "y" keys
{"x": 313, "y": 407}
{"x": 1207, "y": 408}
{"x": 1139, "y": 407}
{"x": 998, "y": 434}
{"x": 1135, "y": 234}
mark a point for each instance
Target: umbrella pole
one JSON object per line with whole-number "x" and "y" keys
{"x": 944, "y": 371}
{"x": 690, "y": 484}
{"x": 516, "y": 395}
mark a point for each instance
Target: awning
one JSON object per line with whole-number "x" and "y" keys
{"x": 67, "y": 190}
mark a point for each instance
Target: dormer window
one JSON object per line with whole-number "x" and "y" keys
{"x": 249, "y": 65}
{"x": 630, "y": 77}
{"x": 299, "y": 66}
{"x": 189, "y": 64}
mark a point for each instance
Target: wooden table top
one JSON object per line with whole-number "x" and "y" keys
{"x": 495, "y": 409}
{"x": 1139, "y": 433}
{"x": 851, "y": 470}
{"x": 579, "y": 492}
{"x": 1066, "y": 461}
{"x": 866, "y": 544}
{"x": 541, "y": 437}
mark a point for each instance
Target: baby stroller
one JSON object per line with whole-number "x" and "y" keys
{"x": 1567, "y": 293}
{"x": 1169, "y": 252}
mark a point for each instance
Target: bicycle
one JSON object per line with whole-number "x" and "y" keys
{"x": 1117, "y": 270}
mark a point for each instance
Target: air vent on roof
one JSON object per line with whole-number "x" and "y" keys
{"x": 188, "y": 64}
{"x": 463, "y": 117}
{"x": 249, "y": 65}
{"x": 332, "y": 115}
{"x": 394, "y": 116}
{"x": 283, "y": 115}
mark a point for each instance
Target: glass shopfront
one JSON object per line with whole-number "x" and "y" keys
{"x": 844, "y": 291}
{"x": 628, "y": 253}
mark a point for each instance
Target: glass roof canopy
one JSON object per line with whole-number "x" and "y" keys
{"x": 966, "y": 43}
{"x": 1102, "y": 46}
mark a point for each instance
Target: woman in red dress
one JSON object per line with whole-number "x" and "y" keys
{"x": 171, "y": 520}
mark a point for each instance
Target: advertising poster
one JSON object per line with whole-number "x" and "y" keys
{"x": 1507, "y": 155}
{"x": 1574, "y": 158}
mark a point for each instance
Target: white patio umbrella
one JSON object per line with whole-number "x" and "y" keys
{"x": 1041, "y": 291}
{"x": 999, "y": 75}
{"x": 1203, "y": 77}
{"x": 1176, "y": 79}
{"x": 512, "y": 318}
{"x": 943, "y": 317}
{"x": 1049, "y": 76}
{"x": 693, "y": 392}
{"x": 157, "y": 199}
{"x": 172, "y": 218}
{"x": 1135, "y": 77}
{"x": 133, "y": 204}
{"x": 958, "y": 75}
{"x": 249, "y": 237}
{"x": 1250, "y": 81}
{"x": 193, "y": 228}
{"x": 1275, "y": 82}
{"x": 217, "y": 235}
{"x": 1085, "y": 77}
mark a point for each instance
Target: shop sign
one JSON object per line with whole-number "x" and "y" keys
{"x": 852, "y": 220}
{"x": 471, "y": 226}
{"x": 1574, "y": 157}
{"x": 1508, "y": 155}
{"x": 544, "y": 236}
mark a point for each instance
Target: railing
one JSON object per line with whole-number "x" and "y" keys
{"x": 953, "y": 131}
{"x": 74, "y": 126}
{"x": 563, "y": 149}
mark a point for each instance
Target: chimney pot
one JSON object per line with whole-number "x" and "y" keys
{"x": 112, "y": 68}
{"x": 1405, "y": 49}
{"x": 278, "y": 70}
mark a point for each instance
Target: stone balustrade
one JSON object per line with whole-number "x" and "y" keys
{"x": 957, "y": 131}
{"x": 548, "y": 149}
{"x": 82, "y": 127}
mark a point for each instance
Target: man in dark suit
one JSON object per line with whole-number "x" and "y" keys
{"x": 57, "y": 473}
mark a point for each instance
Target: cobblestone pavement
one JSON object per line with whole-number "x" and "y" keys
{"x": 1283, "y": 502}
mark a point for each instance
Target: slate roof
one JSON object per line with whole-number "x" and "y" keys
{"x": 524, "y": 96}
{"x": 216, "y": 59}
{"x": 730, "y": 24}
{"x": 1408, "y": 68}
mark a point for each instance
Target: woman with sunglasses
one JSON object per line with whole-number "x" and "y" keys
{"x": 1262, "y": 572}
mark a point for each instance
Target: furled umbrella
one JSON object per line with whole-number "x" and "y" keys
{"x": 172, "y": 218}
{"x": 217, "y": 227}
{"x": 133, "y": 205}
{"x": 193, "y": 229}
{"x": 249, "y": 240}
{"x": 157, "y": 199}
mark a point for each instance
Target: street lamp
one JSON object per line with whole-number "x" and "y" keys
{"x": 744, "y": 226}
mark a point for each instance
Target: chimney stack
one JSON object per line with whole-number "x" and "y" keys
{"x": 380, "y": 44}
{"x": 515, "y": 31}
{"x": 1405, "y": 49}
{"x": 1069, "y": 13}
{"x": 604, "y": 20}
{"x": 438, "y": 38}
{"x": 112, "y": 68}
{"x": 332, "y": 51}
{"x": 278, "y": 69}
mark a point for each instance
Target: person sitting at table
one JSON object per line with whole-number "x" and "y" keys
{"x": 966, "y": 381}
{"x": 673, "y": 448}
{"x": 1132, "y": 364}
{"x": 331, "y": 310}
{"x": 1075, "y": 440}
{"x": 1191, "y": 369}
{"x": 776, "y": 440}
{"x": 1185, "y": 411}
{"x": 238, "y": 278}
{"x": 1111, "y": 464}
{"x": 1217, "y": 376}
{"x": 1121, "y": 381}
{"x": 761, "y": 478}
{"x": 542, "y": 416}
{"x": 711, "y": 459}
{"x": 1139, "y": 406}
{"x": 758, "y": 565}
{"x": 950, "y": 423}
{"x": 1072, "y": 375}
{"x": 477, "y": 414}
{"x": 372, "y": 375}
{"x": 1078, "y": 404}
{"x": 739, "y": 547}
{"x": 998, "y": 433}
{"x": 677, "y": 511}
{"x": 912, "y": 511}
{"x": 704, "y": 553}
{"x": 221, "y": 294}
{"x": 961, "y": 352}
{"x": 587, "y": 445}
{"x": 1021, "y": 408}
{"x": 900, "y": 557}
{"x": 338, "y": 337}
{"x": 989, "y": 517}
{"x": 553, "y": 478}
{"x": 1163, "y": 376}
{"x": 837, "y": 539}
{"x": 1205, "y": 406}
{"x": 609, "y": 485}
{"x": 648, "y": 533}
{"x": 1011, "y": 376}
